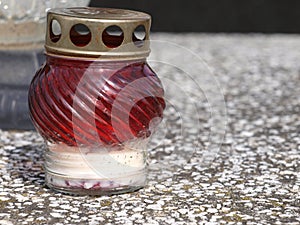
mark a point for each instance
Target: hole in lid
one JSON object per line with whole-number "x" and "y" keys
{"x": 113, "y": 36}
{"x": 139, "y": 36}
{"x": 80, "y": 35}
{"x": 55, "y": 31}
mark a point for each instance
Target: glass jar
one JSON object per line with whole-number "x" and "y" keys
{"x": 23, "y": 21}
{"x": 96, "y": 101}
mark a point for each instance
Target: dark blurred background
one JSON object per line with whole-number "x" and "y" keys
{"x": 266, "y": 16}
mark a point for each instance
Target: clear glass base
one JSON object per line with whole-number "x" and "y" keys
{"x": 87, "y": 186}
{"x": 90, "y": 172}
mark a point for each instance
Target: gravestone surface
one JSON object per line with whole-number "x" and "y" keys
{"x": 253, "y": 179}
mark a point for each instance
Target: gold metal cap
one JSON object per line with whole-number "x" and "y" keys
{"x": 98, "y": 33}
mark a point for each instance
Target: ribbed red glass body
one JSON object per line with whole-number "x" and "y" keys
{"x": 75, "y": 101}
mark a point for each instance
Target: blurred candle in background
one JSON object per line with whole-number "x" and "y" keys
{"x": 22, "y": 32}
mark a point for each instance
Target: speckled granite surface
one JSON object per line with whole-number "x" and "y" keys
{"x": 253, "y": 179}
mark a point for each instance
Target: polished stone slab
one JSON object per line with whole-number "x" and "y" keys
{"x": 254, "y": 178}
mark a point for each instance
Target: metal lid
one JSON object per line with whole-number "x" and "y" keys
{"x": 101, "y": 33}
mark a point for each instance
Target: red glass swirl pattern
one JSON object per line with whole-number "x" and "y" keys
{"x": 80, "y": 103}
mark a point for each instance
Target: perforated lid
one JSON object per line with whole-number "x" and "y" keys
{"x": 98, "y": 32}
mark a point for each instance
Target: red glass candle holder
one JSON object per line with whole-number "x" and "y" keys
{"x": 96, "y": 101}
